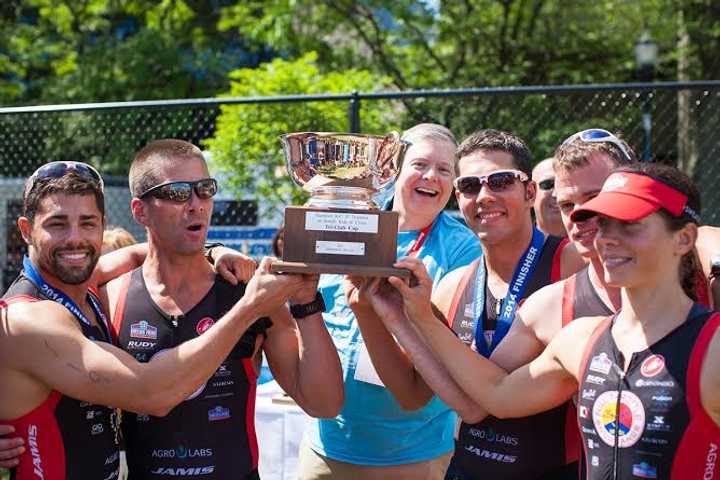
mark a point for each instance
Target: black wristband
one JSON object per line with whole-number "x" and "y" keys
{"x": 307, "y": 309}
{"x": 208, "y": 251}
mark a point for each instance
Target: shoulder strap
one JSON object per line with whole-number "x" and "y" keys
{"x": 590, "y": 345}
{"x": 17, "y": 299}
{"x": 702, "y": 289}
{"x": 120, "y": 306}
{"x": 568, "y": 300}
{"x": 556, "y": 272}
{"x": 697, "y": 357}
{"x": 471, "y": 268}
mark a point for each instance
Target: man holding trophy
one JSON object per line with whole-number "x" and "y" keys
{"x": 375, "y": 436}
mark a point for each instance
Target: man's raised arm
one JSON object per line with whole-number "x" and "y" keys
{"x": 56, "y": 352}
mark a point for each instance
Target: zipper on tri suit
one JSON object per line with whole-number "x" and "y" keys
{"x": 616, "y": 447}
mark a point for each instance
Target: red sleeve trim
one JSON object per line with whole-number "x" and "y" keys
{"x": 556, "y": 271}
{"x": 568, "y": 300}
{"x": 471, "y": 268}
{"x": 573, "y": 440}
{"x": 697, "y": 356}
{"x": 18, "y": 299}
{"x": 120, "y": 307}
{"x": 696, "y": 454}
{"x": 250, "y": 412}
{"x": 47, "y": 443}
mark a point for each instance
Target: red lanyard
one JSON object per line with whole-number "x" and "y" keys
{"x": 420, "y": 240}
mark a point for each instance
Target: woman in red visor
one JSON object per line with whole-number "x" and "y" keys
{"x": 647, "y": 379}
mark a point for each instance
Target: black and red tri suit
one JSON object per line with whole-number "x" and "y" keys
{"x": 211, "y": 435}
{"x": 546, "y": 445}
{"x": 648, "y": 422}
{"x": 65, "y": 438}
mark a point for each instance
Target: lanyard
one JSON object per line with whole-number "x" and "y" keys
{"x": 417, "y": 245}
{"x": 523, "y": 272}
{"x": 60, "y": 297}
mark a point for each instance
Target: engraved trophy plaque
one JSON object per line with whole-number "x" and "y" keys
{"x": 341, "y": 229}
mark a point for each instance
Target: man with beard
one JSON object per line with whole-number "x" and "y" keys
{"x": 547, "y": 213}
{"x": 175, "y": 297}
{"x": 58, "y": 370}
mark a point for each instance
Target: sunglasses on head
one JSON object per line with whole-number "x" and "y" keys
{"x": 182, "y": 191}
{"x": 498, "y": 181}
{"x": 547, "y": 184}
{"x": 594, "y": 135}
{"x": 59, "y": 170}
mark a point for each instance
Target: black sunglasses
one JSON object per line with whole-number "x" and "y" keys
{"x": 60, "y": 169}
{"x": 547, "y": 184}
{"x": 181, "y": 192}
{"x": 497, "y": 181}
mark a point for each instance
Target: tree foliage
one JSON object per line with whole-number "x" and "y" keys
{"x": 477, "y": 43}
{"x": 67, "y": 51}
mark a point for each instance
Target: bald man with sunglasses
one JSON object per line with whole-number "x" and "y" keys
{"x": 547, "y": 213}
{"x": 174, "y": 297}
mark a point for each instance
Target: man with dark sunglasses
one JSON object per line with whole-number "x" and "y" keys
{"x": 547, "y": 213}
{"x": 479, "y": 302}
{"x": 174, "y": 297}
{"x": 58, "y": 368}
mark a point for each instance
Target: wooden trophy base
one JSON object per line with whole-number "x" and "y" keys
{"x": 356, "y": 270}
{"x": 342, "y": 241}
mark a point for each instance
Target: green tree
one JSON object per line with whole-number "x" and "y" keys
{"x": 246, "y": 146}
{"x": 67, "y": 51}
{"x": 476, "y": 43}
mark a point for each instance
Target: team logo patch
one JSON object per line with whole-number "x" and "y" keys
{"x": 601, "y": 364}
{"x": 644, "y": 470}
{"x": 144, "y": 330}
{"x": 652, "y": 366}
{"x": 628, "y": 419}
{"x": 218, "y": 413}
{"x": 204, "y": 324}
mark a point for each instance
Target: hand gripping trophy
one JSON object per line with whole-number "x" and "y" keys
{"x": 341, "y": 229}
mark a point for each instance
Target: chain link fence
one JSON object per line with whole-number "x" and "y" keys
{"x": 674, "y": 123}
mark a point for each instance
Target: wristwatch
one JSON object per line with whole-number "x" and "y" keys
{"x": 208, "y": 251}
{"x": 307, "y": 309}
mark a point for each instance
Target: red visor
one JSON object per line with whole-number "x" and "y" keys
{"x": 632, "y": 196}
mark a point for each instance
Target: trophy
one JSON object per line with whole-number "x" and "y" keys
{"x": 341, "y": 229}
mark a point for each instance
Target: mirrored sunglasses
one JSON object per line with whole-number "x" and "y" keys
{"x": 181, "y": 192}
{"x": 60, "y": 169}
{"x": 497, "y": 182}
{"x": 594, "y": 135}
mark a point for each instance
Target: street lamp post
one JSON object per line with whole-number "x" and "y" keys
{"x": 646, "y": 52}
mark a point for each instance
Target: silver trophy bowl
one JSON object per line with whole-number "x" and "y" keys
{"x": 343, "y": 170}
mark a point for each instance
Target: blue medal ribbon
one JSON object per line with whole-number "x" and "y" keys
{"x": 521, "y": 277}
{"x": 60, "y": 297}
